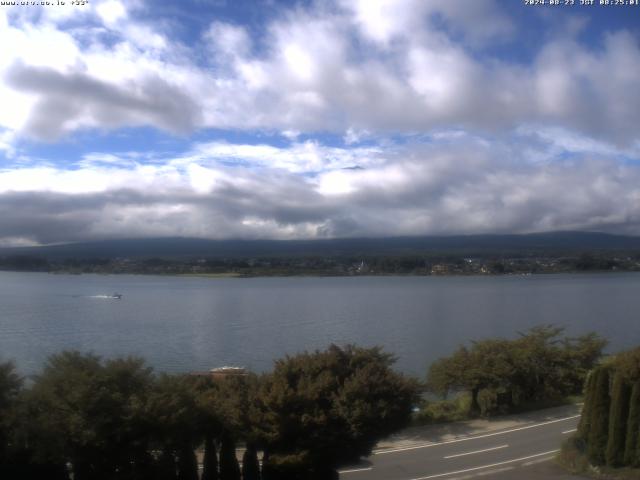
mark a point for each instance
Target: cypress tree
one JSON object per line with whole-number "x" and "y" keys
{"x": 229, "y": 468}
{"x": 267, "y": 472}
{"x": 210, "y": 461}
{"x": 632, "y": 445}
{"x": 166, "y": 466}
{"x": 618, "y": 415}
{"x": 187, "y": 464}
{"x": 250, "y": 464}
{"x": 599, "y": 417}
{"x": 585, "y": 419}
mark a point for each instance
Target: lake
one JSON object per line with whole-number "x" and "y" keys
{"x": 183, "y": 323}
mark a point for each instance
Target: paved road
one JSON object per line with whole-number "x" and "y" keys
{"x": 515, "y": 452}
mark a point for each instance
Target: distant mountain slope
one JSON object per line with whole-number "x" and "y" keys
{"x": 556, "y": 243}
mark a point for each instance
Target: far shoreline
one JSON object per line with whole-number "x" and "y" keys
{"x": 238, "y": 275}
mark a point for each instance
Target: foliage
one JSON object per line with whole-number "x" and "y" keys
{"x": 584, "y": 425}
{"x": 449, "y": 410}
{"x": 632, "y": 445}
{"x": 610, "y": 426}
{"x": 210, "y": 460}
{"x": 618, "y": 416}
{"x": 599, "y": 421}
{"x": 10, "y": 387}
{"x": 229, "y": 468}
{"x": 187, "y": 464}
{"x": 536, "y": 367}
{"x": 91, "y": 414}
{"x": 328, "y": 407}
{"x": 250, "y": 464}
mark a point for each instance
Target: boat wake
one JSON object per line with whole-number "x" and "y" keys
{"x": 115, "y": 296}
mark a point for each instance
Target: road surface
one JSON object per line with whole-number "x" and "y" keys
{"x": 517, "y": 452}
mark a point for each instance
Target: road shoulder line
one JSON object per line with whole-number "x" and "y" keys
{"x": 437, "y": 475}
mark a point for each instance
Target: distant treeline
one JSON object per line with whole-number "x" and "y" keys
{"x": 337, "y": 265}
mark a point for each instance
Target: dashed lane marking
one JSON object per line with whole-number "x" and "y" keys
{"x": 355, "y": 470}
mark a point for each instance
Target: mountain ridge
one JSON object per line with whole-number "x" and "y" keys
{"x": 186, "y": 247}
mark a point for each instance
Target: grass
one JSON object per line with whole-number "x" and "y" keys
{"x": 442, "y": 411}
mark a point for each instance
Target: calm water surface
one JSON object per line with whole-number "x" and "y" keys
{"x": 182, "y": 324}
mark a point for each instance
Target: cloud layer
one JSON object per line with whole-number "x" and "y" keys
{"x": 440, "y": 133}
{"x": 469, "y": 186}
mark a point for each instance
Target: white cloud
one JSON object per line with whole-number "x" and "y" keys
{"x": 384, "y": 67}
{"x": 483, "y": 139}
{"x": 300, "y": 157}
{"x": 111, "y": 11}
{"x": 448, "y": 186}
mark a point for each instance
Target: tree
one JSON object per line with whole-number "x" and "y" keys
{"x": 582, "y": 355}
{"x": 175, "y": 420}
{"x": 210, "y": 460}
{"x": 597, "y": 439}
{"x": 250, "y": 464}
{"x": 537, "y": 366}
{"x": 166, "y": 468}
{"x": 610, "y": 424}
{"x": 187, "y": 463}
{"x": 10, "y": 387}
{"x": 325, "y": 408}
{"x": 584, "y": 425}
{"x": 632, "y": 445}
{"x": 91, "y": 414}
{"x": 229, "y": 468}
{"x": 618, "y": 416}
{"x": 487, "y": 365}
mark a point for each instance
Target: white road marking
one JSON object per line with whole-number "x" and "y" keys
{"x": 486, "y": 466}
{"x": 493, "y": 472}
{"x": 477, "y": 451}
{"x": 483, "y": 474}
{"x": 533, "y": 462}
{"x": 354, "y": 470}
{"x": 465, "y": 439}
{"x": 570, "y": 431}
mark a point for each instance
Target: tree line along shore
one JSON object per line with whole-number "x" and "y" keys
{"x": 350, "y": 265}
{"x": 84, "y": 417}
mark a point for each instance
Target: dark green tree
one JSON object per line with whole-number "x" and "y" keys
{"x": 581, "y": 355}
{"x": 166, "y": 468}
{"x": 229, "y": 468}
{"x": 325, "y": 408}
{"x": 584, "y": 425}
{"x": 537, "y": 366}
{"x": 210, "y": 460}
{"x": 632, "y": 445}
{"x": 176, "y": 420}
{"x": 10, "y": 387}
{"x": 618, "y": 416}
{"x": 187, "y": 463}
{"x": 250, "y": 464}
{"x": 598, "y": 432}
{"x": 91, "y": 414}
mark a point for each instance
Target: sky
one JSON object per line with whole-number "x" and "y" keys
{"x": 316, "y": 119}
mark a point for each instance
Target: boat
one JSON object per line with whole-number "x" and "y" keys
{"x": 117, "y": 296}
